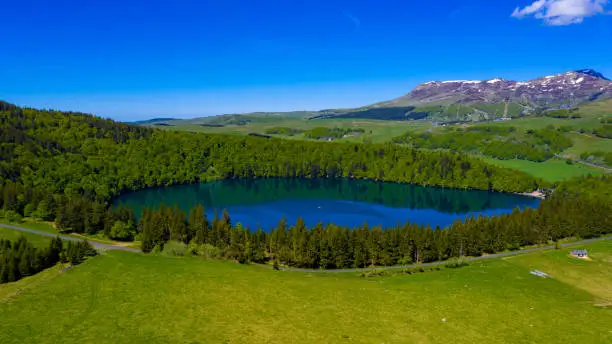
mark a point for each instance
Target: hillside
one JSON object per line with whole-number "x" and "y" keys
{"x": 455, "y": 101}
{"x": 123, "y": 297}
{"x": 479, "y": 100}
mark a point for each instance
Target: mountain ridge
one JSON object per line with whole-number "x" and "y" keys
{"x": 460, "y": 100}
{"x": 571, "y": 88}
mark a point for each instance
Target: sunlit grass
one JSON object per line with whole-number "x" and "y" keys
{"x": 125, "y": 297}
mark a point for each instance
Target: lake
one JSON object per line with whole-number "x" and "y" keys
{"x": 263, "y": 202}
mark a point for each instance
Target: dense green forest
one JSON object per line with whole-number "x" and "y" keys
{"x": 81, "y": 155}
{"x": 495, "y": 141}
{"x": 20, "y": 258}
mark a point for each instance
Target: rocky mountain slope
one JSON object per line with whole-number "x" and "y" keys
{"x": 569, "y": 88}
{"x": 477, "y": 100}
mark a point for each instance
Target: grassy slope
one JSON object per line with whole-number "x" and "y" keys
{"x": 553, "y": 170}
{"x": 36, "y": 240}
{"x": 381, "y": 130}
{"x": 123, "y": 297}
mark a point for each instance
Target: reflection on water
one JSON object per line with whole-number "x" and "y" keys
{"x": 345, "y": 202}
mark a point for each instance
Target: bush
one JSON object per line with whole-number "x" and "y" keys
{"x": 29, "y": 210}
{"x": 456, "y": 263}
{"x": 76, "y": 252}
{"x": 157, "y": 249}
{"x": 10, "y": 216}
{"x": 174, "y": 249}
{"x": 203, "y": 250}
{"x": 44, "y": 211}
{"x": 122, "y": 231}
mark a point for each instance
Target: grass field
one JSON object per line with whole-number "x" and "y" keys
{"x": 376, "y": 130}
{"x": 131, "y": 298}
{"x": 36, "y": 240}
{"x": 33, "y": 224}
{"x": 587, "y": 143}
{"x": 553, "y": 170}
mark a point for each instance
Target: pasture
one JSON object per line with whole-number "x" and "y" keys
{"x": 135, "y": 298}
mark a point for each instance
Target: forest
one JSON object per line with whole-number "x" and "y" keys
{"x": 76, "y": 154}
{"x": 20, "y": 258}
{"x": 498, "y": 142}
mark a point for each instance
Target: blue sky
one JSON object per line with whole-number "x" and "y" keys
{"x": 140, "y": 59}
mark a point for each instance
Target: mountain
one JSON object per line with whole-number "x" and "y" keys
{"x": 568, "y": 88}
{"x": 454, "y": 101}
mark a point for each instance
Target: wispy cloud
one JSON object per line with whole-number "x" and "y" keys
{"x": 352, "y": 18}
{"x": 561, "y": 12}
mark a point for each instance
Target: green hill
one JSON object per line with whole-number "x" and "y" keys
{"x": 123, "y": 297}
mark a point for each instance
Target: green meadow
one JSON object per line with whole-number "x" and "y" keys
{"x": 376, "y": 130}
{"x": 121, "y": 297}
{"x": 553, "y": 170}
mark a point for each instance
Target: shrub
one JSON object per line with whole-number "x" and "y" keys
{"x": 10, "y": 216}
{"x": 122, "y": 231}
{"x": 456, "y": 263}
{"x": 44, "y": 211}
{"x": 203, "y": 250}
{"x": 157, "y": 249}
{"x": 29, "y": 209}
{"x": 174, "y": 249}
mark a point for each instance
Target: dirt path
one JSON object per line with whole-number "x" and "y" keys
{"x": 96, "y": 245}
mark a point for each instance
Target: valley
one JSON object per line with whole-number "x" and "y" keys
{"x": 288, "y": 172}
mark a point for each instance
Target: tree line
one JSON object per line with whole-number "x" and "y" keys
{"x": 20, "y": 258}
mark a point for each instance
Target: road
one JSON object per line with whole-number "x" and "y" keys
{"x": 469, "y": 259}
{"x": 96, "y": 245}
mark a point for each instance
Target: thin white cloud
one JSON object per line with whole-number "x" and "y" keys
{"x": 561, "y": 12}
{"x": 352, "y": 18}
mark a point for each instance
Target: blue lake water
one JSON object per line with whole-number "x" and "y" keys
{"x": 263, "y": 202}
